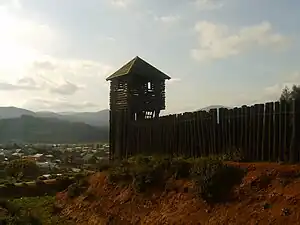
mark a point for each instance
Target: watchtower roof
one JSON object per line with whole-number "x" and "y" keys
{"x": 139, "y": 67}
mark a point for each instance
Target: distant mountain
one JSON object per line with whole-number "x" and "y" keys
{"x": 13, "y": 112}
{"x": 100, "y": 118}
{"x": 214, "y": 107}
{"x": 30, "y": 129}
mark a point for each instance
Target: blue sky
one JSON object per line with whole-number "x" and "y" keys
{"x": 56, "y": 54}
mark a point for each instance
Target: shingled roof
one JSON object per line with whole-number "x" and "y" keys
{"x": 138, "y": 66}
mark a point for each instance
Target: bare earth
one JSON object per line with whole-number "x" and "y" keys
{"x": 269, "y": 194}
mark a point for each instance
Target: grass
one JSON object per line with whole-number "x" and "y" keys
{"x": 32, "y": 210}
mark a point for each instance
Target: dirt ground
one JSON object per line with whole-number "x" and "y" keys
{"x": 269, "y": 194}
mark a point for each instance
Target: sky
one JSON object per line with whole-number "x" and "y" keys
{"x": 56, "y": 54}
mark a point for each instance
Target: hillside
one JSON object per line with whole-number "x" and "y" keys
{"x": 31, "y": 129}
{"x": 100, "y": 118}
{"x": 268, "y": 194}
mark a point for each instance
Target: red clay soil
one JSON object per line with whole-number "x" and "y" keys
{"x": 269, "y": 194}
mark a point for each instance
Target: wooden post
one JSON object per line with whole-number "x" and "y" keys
{"x": 260, "y": 115}
{"x": 247, "y": 132}
{"x": 226, "y": 135}
{"x": 252, "y": 133}
{"x": 295, "y": 138}
{"x": 281, "y": 138}
{"x": 270, "y": 130}
{"x": 222, "y": 130}
{"x": 276, "y": 147}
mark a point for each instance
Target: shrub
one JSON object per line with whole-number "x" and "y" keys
{"x": 76, "y": 189}
{"x": 235, "y": 155}
{"x": 119, "y": 174}
{"x": 104, "y": 166}
{"x": 12, "y": 209}
{"x": 216, "y": 180}
{"x": 73, "y": 190}
{"x": 180, "y": 168}
{"x": 145, "y": 176}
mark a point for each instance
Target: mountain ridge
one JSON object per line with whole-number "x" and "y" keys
{"x": 98, "y": 118}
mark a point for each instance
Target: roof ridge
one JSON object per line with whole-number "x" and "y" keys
{"x": 139, "y": 64}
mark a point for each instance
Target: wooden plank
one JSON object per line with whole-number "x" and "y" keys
{"x": 295, "y": 139}
{"x": 180, "y": 137}
{"x": 266, "y": 132}
{"x": 276, "y": 147}
{"x": 242, "y": 128}
{"x": 252, "y": 133}
{"x": 282, "y": 142}
{"x": 288, "y": 130}
{"x": 199, "y": 134}
{"x": 222, "y": 130}
{"x": 260, "y": 116}
{"x": 238, "y": 128}
{"x": 234, "y": 127}
{"x": 218, "y": 135}
{"x": 229, "y": 114}
{"x": 194, "y": 134}
{"x": 204, "y": 134}
{"x": 247, "y": 131}
{"x": 226, "y": 135}
{"x": 270, "y": 133}
{"x": 214, "y": 130}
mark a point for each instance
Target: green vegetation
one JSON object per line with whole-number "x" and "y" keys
{"x": 31, "y": 129}
{"x": 31, "y": 211}
{"x": 22, "y": 169}
{"x": 78, "y": 187}
{"x": 290, "y": 94}
{"x": 213, "y": 179}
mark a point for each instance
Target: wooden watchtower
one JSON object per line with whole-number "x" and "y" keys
{"x": 138, "y": 90}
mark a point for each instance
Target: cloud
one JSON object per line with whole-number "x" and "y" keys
{"x": 173, "y": 80}
{"x": 57, "y": 104}
{"x": 55, "y": 68}
{"x": 43, "y": 65}
{"x": 217, "y": 41}
{"x": 67, "y": 88}
{"x": 11, "y": 4}
{"x": 208, "y": 4}
{"x": 120, "y": 3}
{"x": 167, "y": 19}
{"x": 27, "y": 84}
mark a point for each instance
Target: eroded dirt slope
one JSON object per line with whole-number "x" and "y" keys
{"x": 269, "y": 194}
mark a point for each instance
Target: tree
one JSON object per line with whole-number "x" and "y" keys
{"x": 290, "y": 94}
{"x": 22, "y": 168}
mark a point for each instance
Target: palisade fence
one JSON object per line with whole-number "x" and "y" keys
{"x": 262, "y": 132}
